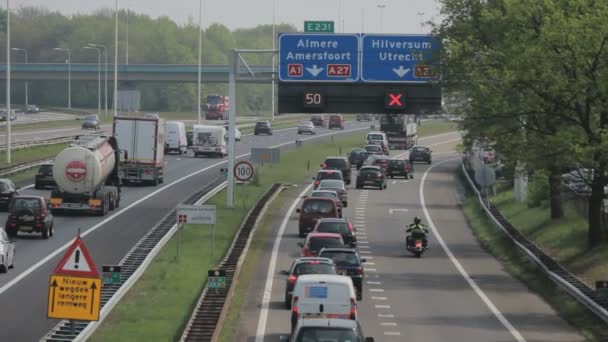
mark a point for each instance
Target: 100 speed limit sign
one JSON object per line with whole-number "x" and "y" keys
{"x": 243, "y": 171}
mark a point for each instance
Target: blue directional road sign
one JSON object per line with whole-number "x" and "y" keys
{"x": 318, "y": 57}
{"x": 398, "y": 58}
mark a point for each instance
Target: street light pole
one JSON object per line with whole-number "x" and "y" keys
{"x": 25, "y": 51}
{"x": 69, "y": 74}
{"x": 8, "y": 83}
{"x": 105, "y": 71}
{"x": 200, "y": 42}
{"x": 339, "y": 15}
{"x": 98, "y": 76}
{"x": 115, "y": 98}
{"x": 272, "y": 91}
{"x": 381, "y": 7}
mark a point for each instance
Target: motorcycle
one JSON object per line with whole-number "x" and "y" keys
{"x": 416, "y": 247}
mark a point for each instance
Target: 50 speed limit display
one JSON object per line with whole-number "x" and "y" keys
{"x": 313, "y": 99}
{"x": 243, "y": 171}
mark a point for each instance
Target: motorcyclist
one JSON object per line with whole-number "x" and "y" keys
{"x": 417, "y": 230}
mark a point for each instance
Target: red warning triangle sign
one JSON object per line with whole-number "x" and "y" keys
{"x": 77, "y": 261}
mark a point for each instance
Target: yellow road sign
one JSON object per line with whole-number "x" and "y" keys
{"x": 74, "y": 298}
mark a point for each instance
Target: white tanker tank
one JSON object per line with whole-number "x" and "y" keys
{"x": 84, "y": 165}
{"x": 86, "y": 174}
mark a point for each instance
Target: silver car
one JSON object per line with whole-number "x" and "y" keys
{"x": 306, "y": 127}
{"x": 7, "y": 252}
{"x": 337, "y": 186}
{"x": 90, "y": 121}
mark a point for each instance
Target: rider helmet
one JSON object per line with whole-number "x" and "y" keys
{"x": 417, "y": 220}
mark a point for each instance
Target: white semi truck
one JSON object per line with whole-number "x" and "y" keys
{"x": 401, "y": 130}
{"x": 143, "y": 140}
{"x": 87, "y": 176}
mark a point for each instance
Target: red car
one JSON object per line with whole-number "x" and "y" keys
{"x": 316, "y": 241}
{"x": 329, "y": 194}
{"x": 378, "y": 160}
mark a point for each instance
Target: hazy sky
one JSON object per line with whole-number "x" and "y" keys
{"x": 399, "y": 16}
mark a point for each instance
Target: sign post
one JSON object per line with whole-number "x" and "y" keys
{"x": 243, "y": 172}
{"x": 197, "y": 214}
{"x": 75, "y": 286}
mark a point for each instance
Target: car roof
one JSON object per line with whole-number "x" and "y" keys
{"x": 419, "y": 146}
{"x": 329, "y": 171}
{"x": 323, "y": 235}
{"x": 29, "y": 197}
{"x": 330, "y": 181}
{"x": 308, "y": 259}
{"x": 335, "y": 157}
{"x": 370, "y": 167}
{"x": 326, "y": 278}
{"x": 328, "y": 322}
{"x": 319, "y": 199}
{"x": 333, "y": 219}
{"x": 337, "y": 249}
{"x": 323, "y": 190}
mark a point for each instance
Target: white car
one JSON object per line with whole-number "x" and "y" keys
{"x": 306, "y": 126}
{"x": 7, "y": 252}
{"x": 237, "y": 136}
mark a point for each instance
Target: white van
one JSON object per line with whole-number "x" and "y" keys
{"x": 323, "y": 296}
{"x": 175, "y": 137}
{"x": 376, "y": 136}
{"x": 209, "y": 141}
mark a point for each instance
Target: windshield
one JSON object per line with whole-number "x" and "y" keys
{"x": 318, "y": 206}
{"x": 90, "y": 117}
{"x": 213, "y": 99}
{"x": 262, "y": 124}
{"x": 335, "y": 163}
{"x": 371, "y": 137}
{"x": 420, "y": 149}
{"x": 342, "y": 258}
{"x": 325, "y": 194}
{"x": 373, "y": 148}
{"x": 330, "y": 183}
{"x": 4, "y": 187}
{"x": 314, "y": 267}
{"x": 329, "y": 175}
{"x": 333, "y": 227}
{"x": 326, "y": 334}
{"x": 315, "y": 244}
{"x": 26, "y": 203}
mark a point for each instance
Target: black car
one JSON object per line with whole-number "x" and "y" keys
{"x": 338, "y": 226}
{"x": 262, "y": 127}
{"x": 318, "y": 120}
{"x": 7, "y": 192}
{"x": 371, "y": 176}
{"x": 189, "y": 137}
{"x": 364, "y": 117}
{"x": 338, "y": 163}
{"x": 305, "y": 265}
{"x": 399, "y": 168}
{"x": 32, "y": 109}
{"x": 29, "y": 214}
{"x": 347, "y": 263}
{"x": 420, "y": 153}
{"x": 357, "y": 157}
{"x": 44, "y": 176}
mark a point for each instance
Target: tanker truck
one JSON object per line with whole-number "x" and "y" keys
{"x": 86, "y": 173}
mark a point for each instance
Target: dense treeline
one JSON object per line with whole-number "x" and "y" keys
{"x": 149, "y": 41}
{"x": 534, "y": 75}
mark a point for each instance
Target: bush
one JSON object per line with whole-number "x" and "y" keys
{"x": 538, "y": 190}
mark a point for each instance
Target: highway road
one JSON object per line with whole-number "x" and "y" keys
{"x": 24, "y": 289}
{"x": 455, "y": 292}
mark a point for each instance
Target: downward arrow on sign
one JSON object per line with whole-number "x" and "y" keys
{"x": 401, "y": 71}
{"x": 314, "y": 70}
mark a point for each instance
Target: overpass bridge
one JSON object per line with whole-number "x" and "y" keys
{"x": 183, "y": 73}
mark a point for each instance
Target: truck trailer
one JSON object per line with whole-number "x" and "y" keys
{"x": 401, "y": 130}
{"x": 143, "y": 140}
{"x": 87, "y": 177}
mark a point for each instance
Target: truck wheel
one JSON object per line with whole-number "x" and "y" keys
{"x": 112, "y": 202}
{"x": 45, "y": 233}
{"x": 37, "y": 186}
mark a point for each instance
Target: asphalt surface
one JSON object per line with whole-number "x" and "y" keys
{"x": 410, "y": 299}
{"x": 23, "y": 291}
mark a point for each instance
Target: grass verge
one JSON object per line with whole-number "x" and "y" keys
{"x": 31, "y": 153}
{"x": 158, "y": 306}
{"x": 436, "y": 127}
{"x": 520, "y": 267}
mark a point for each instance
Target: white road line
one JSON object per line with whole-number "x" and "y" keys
{"x": 271, "y": 269}
{"x": 459, "y": 266}
{"x": 388, "y": 324}
{"x": 364, "y": 247}
{"x": 370, "y": 263}
{"x": 365, "y": 252}
{"x": 376, "y": 290}
{"x": 44, "y": 260}
{"x": 362, "y": 242}
{"x": 378, "y": 298}
{"x": 386, "y": 316}
{"x": 392, "y": 333}
{"x": 370, "y": 269}
{"x": 369, "y": 257}
{"x": 382, "y": 306}
{"x": 374, "y": 283}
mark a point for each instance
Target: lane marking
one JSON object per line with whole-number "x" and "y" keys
{"x": 388, "y": 324}
{"x": 378, "y": 298}
{"x": 369, "y": 257}
{"x": 364, "y": 247}
{"x": 376, "y": 290}
{"x": 382, "y": 306}
{"x": 514, "y": 332}
{"x": 370, "y": 269}
{"x": 371, "y": 263}
{"x": 392, "y": 333}
{"x": 50, "y": 256}
{"x": 374, "y": 283}
{"x": 365, "y": 252}
{"x": 386, "y": 316}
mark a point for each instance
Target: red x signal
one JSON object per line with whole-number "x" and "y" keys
{"x": 394, "y": 100}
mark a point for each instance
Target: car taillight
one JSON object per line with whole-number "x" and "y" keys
{"x": 317, "y": 182}
{"x": 350, "y": 226}
{"x": 42, "y": 213}
{"x": 380, "y": 176}
{"x": 292, "y": 279}
{"x": 294, "y": 306}
{"x": 359, "y": 270}
{"x": 353, "y": 309}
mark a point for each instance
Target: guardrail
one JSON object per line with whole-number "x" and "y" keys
{"x": 580, "y": 291}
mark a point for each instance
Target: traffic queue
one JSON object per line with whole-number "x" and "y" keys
{"x": 324, "y": 284}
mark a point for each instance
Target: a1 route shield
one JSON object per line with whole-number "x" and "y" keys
{"x": 318, "y": 57}
{"x": 399, "y": 58}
